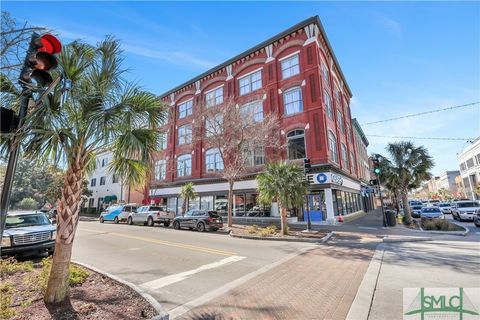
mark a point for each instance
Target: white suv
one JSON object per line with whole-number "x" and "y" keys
{"x": 465, "y": 210}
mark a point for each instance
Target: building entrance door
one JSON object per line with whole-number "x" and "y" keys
{"x": 317, "y": 207}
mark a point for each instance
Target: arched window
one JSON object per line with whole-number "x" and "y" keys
{"x": 184, "y": 165}
{"x": 213, "y": 160}
{"x": 332, "y": 146}
{"x": 296, "y": 144}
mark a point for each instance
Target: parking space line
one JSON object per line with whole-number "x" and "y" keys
{"x": 167, "y": 243}
{"x": 168, "y": 280}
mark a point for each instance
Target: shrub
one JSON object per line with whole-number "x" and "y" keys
{"x": 10, "y": 265}
{"x": 268, "y": 231}
{"x": 27, "y": 204}
{"x": 439, "y": 225}
{"x": 6, "y": 297}
{"x": 252, "y": 229}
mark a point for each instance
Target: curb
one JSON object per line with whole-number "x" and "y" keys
{"x": 452, "y": 233}
{"x": 360, "y": 308}
{"x": 162, "y": 314}
{"x": 406, "y": 239}
{"x": 321, "y": 240}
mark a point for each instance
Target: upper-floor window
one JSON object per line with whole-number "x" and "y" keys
{"x": 463, "y": 167}
{"x": 253, "y": 110}
{"x": 93, "y": 182}
{"x": 213, "y": 160}
{"x": 344, "y": 157}
{"x": 162, "y": 142}
{"x": 214, "y": 126}
{"x": 353, "y": 162}
{"x": 470, "y": 163}
{"x": 325, "y": 74}
{"x": 104, "y": 162}
{"x": 290, "y": 66}
{"x": 296, "y": 144}
{"x": 250, "y": 82}
{"x": 340, "y": 121}
{"x": 255, "y": 157}
{"x": 184, "y": 165}
{"x": 292, "y": 101}
{"x": 328, "y": 104}
{"x": 185, "y": 134}
{"x": 478, "y": 158}
{"x": 160, "y": 169}
{"x": 115, "y": 178}
{"x": 332, "y": 146}
{"x": 214, "y": 97}
{"x": 185, "y": 109}
{"x": 337, "y": 98}
{"x": 102, "y": 180}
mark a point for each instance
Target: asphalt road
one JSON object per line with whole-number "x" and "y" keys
{"x": 470, "y": 225}
{"x": 175, "y": 267}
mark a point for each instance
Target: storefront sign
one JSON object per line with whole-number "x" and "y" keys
{"x": 332, "y": 178}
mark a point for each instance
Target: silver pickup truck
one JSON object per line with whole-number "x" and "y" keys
{"x": 149, "y": 215}
{"x": 28, "y": 233}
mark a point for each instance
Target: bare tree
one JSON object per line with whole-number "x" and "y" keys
{"x": 14, "y": 40}
{"x": 237, "y": 133}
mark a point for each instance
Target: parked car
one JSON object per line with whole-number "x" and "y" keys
{"x": 414, "y": 203}
{"x": 465, "y": 210}
{"x": 259, "y": 211}
{"x": 117, "y": 213}
{"x": 199, "y": 219}
{"x": 445, "y": 207}
{"x": 416, "y": 211}
{"x": 476, "y": 219}
{"x": 149, "y": 215}
{"x": 431, "y": 213}
{"x": 28, "y": 233}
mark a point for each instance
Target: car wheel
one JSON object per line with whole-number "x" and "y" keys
{"x": 200, "y": 227}
{"x": 130, "y": 221}
{"x": 176, "y": 225}
{"x": 102, "y": 220}
{"x": 150, "y": 222}
{"x": 166, "y": 224}
{"x": 115, "y": 220}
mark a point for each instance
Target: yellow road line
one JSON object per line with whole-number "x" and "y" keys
{"x": 167, "y": 243}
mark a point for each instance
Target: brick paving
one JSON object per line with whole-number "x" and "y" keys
{"x": 320, "y": 284}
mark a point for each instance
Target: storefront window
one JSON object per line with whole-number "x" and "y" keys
{"x": 206, "y": 203}
{"x": 172, "y": 204}
{"x": 239, "y": 205}
{"x": 194, "y": 203}
{"x": 221, "y": 205}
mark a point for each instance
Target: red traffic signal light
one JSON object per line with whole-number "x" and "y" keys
{"x": 40, "y": 59}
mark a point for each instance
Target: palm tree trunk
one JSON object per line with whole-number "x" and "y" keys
{"x": 67, "y": 219}
{"x": 406, "y": 208}
{"x": 184, "y": 206}
{"x": 283, "y": 220}
{"x": 230, "y": 203}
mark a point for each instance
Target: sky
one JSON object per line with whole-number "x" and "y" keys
{"x": 398, "y": 58}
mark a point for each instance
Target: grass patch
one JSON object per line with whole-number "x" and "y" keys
{"x": 252, "y": 229}
{"x": 11, "y": 266}
{"x": 6, "y": 298}
{"x": 439, "y": 225}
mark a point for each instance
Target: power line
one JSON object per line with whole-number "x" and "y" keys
{"x": 422, "y": 113}
{"x": 421, "y": 138}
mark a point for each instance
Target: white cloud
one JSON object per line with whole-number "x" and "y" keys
{"x": 390, "y": 24}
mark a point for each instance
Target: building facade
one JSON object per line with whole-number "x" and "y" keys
{"x": 446, "y": 181}
{"x": 106, "y": 187}
{"x": 469, "y": 163}
{"x": 300, "y": 80}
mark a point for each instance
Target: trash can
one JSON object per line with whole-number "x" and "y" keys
{"x": 390, "y": 216}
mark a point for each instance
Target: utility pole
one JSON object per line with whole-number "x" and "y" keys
{"x": 306, "y": 169}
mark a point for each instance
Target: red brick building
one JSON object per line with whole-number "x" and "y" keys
{"x": 301, "y": 80}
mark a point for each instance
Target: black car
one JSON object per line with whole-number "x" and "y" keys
{"x": 259, "y": 211}
{"x": 200, "y": 220}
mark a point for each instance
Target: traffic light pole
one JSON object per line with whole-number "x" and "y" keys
{"x": 12, "y": 159}
{"x": 309, "y": 222}
{"x": 381, "y": 200}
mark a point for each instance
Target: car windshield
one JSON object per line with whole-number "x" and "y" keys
{"x": 467, "y": 204}
{"x": 417, "y": 207}
{"x": 156, "y": 209}
{"x": 26, "y": 220}
{"x": 112, "y": 208}
{"x": 445, "y": 205}
{"x": 430, "y": 210}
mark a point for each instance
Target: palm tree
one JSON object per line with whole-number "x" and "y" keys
{"x": 285, "y": 184}
{"x": 410, "y": 166}
{"x": 187, "y": 193}
{"x": 102, "y": 111}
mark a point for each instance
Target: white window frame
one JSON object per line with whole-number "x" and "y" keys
{"x": 160, "y": 169}
{"x": 213, "y": 160}
{"x": 340, "y": 121}
{"x": 162, "y": 143}
{"x": 249, "y": 84}
{"x": 185, "y": 109}
{"x": 253, "y": 109}
{"x": 251, "y": 157}
{"x": 185, "y": 134}
{"x": 344, "y": 156}
{"x": 290, "y": 70}
{"x": 184, "y": 165}
{"x": 325, "y": 74}
{"x": 328, "y": 103}
{"x": 332, "y": 145}
{"x": 215, "y": 127}
{"x": 297, "y": 104}
{"x": 214, "y": 96}
{"x": 297, "y": 136}
{"x": 353, "y": 162}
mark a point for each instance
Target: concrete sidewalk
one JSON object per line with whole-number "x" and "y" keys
{"x": 450, "y": 264}
{"x": 320, "y": 284}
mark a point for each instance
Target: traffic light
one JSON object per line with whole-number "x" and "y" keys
{"x": 39, "y": 60}
{"x": 376, "y": 166}
{"x": 307, "y": 167}
{"x": 9, "y": 120}
{"x": 373, "y": 182}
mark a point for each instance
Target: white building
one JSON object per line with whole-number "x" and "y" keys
{"x": 107, "y": 187}
{"x": 447, "y": 181}
{"x": 469, "y": 163}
